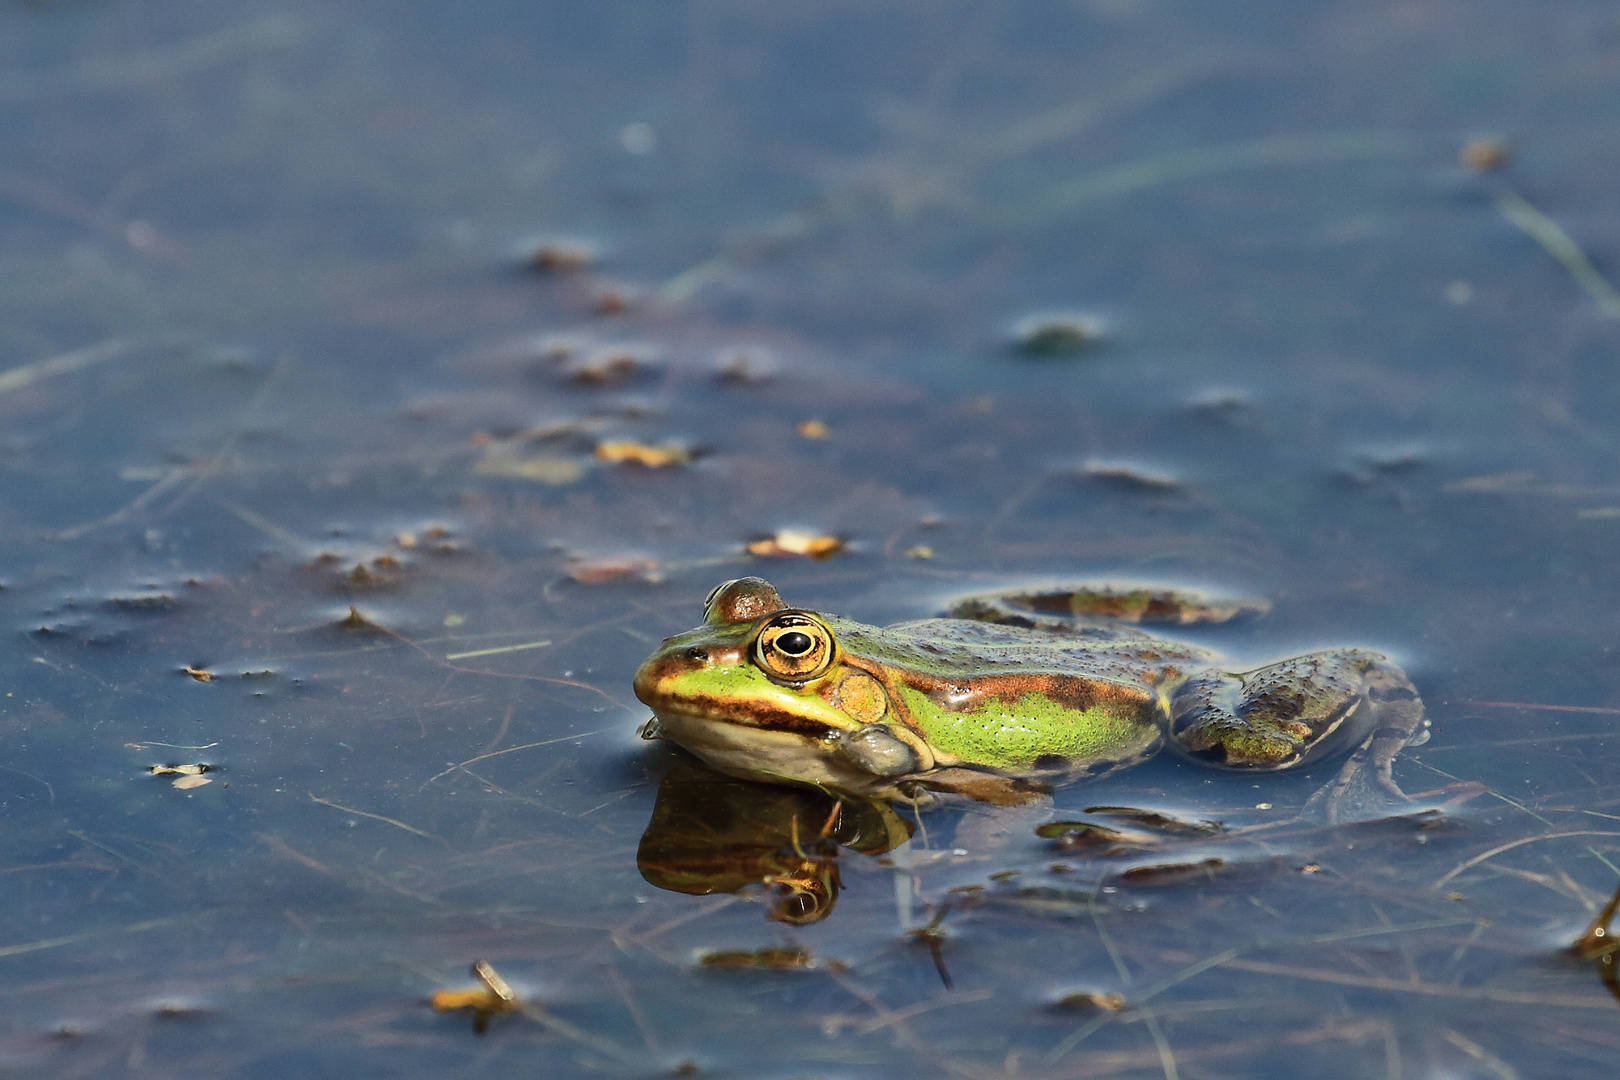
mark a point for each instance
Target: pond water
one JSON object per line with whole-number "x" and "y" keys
{"x": 328, "y": 329}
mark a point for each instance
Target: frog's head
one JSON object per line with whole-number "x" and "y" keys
{"x": 764, "y": 689}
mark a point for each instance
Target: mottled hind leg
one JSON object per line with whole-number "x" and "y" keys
{"x": 1290, "y": 712}
{"x": 1365, "y": 785}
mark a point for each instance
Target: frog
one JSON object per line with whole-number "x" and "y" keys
{"x": 1003, "y": 705}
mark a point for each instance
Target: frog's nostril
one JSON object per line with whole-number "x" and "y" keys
{"x": 695, "y": 653}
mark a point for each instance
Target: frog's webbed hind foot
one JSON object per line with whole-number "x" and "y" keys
{"x": 1293, "y": 711}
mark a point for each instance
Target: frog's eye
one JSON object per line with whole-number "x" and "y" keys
{"x": 794, "y": 646}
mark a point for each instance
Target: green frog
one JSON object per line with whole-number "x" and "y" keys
{"x": 1002, "y": 704}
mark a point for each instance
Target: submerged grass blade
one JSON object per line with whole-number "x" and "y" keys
{"x": 1557, "y": 243}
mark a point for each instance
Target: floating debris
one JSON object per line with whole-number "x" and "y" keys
{"x": 1174, "y": 873}
{"x": 1370, "y": 464}
{"x": 561, "y": 256}
{"x": 1485, "y": 155}
{"x": 362, "y": 576}
{"x": 602, "y": 571}
{"x": 919, "y": 551}
{"x": 608, "y": 365}
{"x": 796, "y": 542}
{"x": 745, "y": 364}
{"x": 1091, "y": 1000}
{"x": 551, "y": 348}
{"x": 616, "y": 299}
{"x": 1125, "y": 474}
{"x": 626, "y": 451}
{"x": 155, "y": 600}
{"x": 1057, "y": 334}
{"x": 1087, "y": 836}
{"x": 1221, "y": 405}
{"x": 186, "y": 777}
{"x": 494, "y": 997}
{"x": 200, "y": 674}
{"x": 1515, "y": 482}
{"x": 779, "y": 958}
{"x": 1160, "y": 823}
{"x": 812, "y": 429}
{"x": 553, "y": 469}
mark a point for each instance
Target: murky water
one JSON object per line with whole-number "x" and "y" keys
{"x": 309, "y": 479}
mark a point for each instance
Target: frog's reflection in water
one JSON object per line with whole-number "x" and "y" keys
{"x": 712, "y": 833}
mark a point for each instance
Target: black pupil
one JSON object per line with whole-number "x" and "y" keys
{"x": 796, "y": 643}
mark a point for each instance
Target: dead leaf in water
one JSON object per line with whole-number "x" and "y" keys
{"x": 624, "y": 451}
{"x": 796, "y": 542}
{"x": 602, "y": 571}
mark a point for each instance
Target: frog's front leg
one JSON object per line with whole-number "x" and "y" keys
{"x": 1295, "y": 710}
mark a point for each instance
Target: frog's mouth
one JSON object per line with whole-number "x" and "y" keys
{"x": 805, "y": 753}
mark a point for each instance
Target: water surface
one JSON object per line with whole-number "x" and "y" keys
{"x": 284, "y": 406}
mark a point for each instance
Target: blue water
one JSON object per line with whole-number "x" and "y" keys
{"x": 270, "y": 351}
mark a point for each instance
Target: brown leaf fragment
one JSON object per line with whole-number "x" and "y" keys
{"x": 608, "y": 365}
{"x": 493, "y": 998}
{"x": 625, "y": 451}
{"x": 180, "y": 770}
{"x": 786, "y": 543}
{"x": 562, "y": 256}
{"x": 602, "y": 571}
{"x": 615, "y": 300}
{"x": 186, "y": 783}
{"x": 1485, "y": 155}
{"x": 200, "y": 674}
{"x": 1091, "y": 999}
